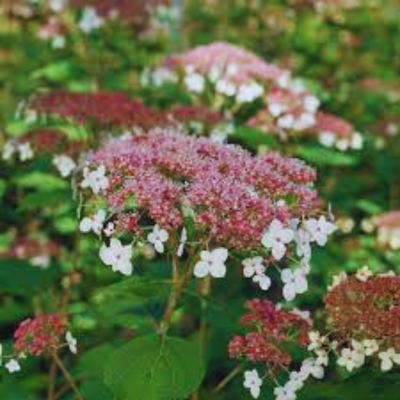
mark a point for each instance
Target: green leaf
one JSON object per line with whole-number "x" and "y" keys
{"x": 253, "y": 138}
{"x": 19, "y": 277}
{"x": 155, "y": 368}
{"x": 320, "y": 156}
{"x": 42, "y": 181}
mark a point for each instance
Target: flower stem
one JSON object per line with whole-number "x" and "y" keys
{"x": 52, "y": 378}
{"x": 228, "y": 378}
{"x": 68, "y": 376}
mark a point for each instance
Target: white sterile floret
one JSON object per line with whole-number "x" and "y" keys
{"x": 286, "y": 121}
{"x": 249, "y": 92}
{"x": 327, "y": 138}
{"x": 357, "y": 141}
{"x": 25, "y": 151}
{"x": 194, "y": 82}
{"x": 163, "y": 75}
{"x": 342, "y": 144}
{"x": 316, "y": 340}
{"x": 64, "y": 164}
{"x": 94, "y": 223}
{"x": 157, "y": 238}
{"x": 57, "y": 5}
{"x": 371, "y": 346}
{"x": 72, "y": 342}
{"x": 304, "y": 121}
{"x": 314, "y": 367}
{"x": 389, "y": 358}
{"x": 320, "y": 229}
{"x": 352, "y": 358}
{"x": 13, "y": 366}
{"x": 182, "y": 243}
{"x": 284, "y": 393}
{"x": 90, "y": 20}
{"x": 212, "y": 263}
{"x": 9, "y": 149}
{"x": 302, "y": 238}
{"x": 254, "y": 268}
{"x": 117, "y": 256}
{"x": 311, "y": 104}
{"x": 276, "y": 238}
{"x": 364, "y": 273}
{"x": 95, "y": 180}
{"x": 41, "y": 260}
{"x": 295, "y": 282}
{"x": 253, "y": 382}
{"x": 214, "y": 74}
{"x": 276, "y": 109}
{"x": 225, "y": 87}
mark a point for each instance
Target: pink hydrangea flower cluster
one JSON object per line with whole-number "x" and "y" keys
{"x": 237, "y": 77}
{"x": 102, "y": 109}
{"x": 231, "y": 195}
{"x": 270, "y": 327}
{"x": 40, "y": 335}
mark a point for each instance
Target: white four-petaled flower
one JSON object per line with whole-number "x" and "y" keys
{"x": 13, "y": 366}
{"x": 388, "y": 358}
{"x": 295, "y": 282}
{"x": 117, "y": 256}
{"x": 95, "y": 180}
{"x": 320, "y": 229}
{"x": 157, "y": 238}
{"x": 64, "y": 164}
{"x": 94, "y": 223}
{"x": 212, "y": 263}
{"x": 194, "y": 82}
{"x": 276, "y": 238}
{"x": 254, "y": 268}
{"x": 253, "y": 382}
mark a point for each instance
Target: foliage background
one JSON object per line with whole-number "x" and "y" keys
{"x": 349, "y": 56}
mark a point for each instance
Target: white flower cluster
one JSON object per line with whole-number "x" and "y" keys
{"x": 212, "y": 263}
{"x": 158, "y": 77}
{"x": 277, "y": 238}
{"x": 24, "y": 150}
{"x": 330, "y": 139}
{"x": 90, "y": 20}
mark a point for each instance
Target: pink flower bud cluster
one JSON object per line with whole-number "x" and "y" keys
{"x": 40, "y": 335}
{"x": 231, "y": 195}
{"x": 270, "y": 327}
{"x": 52, "y": 141}
{"x": 366, "y": 308}
{"x": 103, "y": 109}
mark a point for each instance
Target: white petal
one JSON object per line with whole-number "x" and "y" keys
{"x": 85, "y": 225}
{"x": 218, "y": 270}
{"x": 219, "y": 255}
{"x": 201, "y": 269}
{"x": 278, "y": 251}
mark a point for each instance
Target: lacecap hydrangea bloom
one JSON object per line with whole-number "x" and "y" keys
{"x": 184, "y": 194}
{"x": 241, "y": 83}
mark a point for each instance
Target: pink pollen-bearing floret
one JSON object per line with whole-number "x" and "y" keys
{"x": 40, "y": 335}
{"x": 231, "y": 194}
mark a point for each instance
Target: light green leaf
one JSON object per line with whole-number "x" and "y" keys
{"x": 155, "y": 368}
